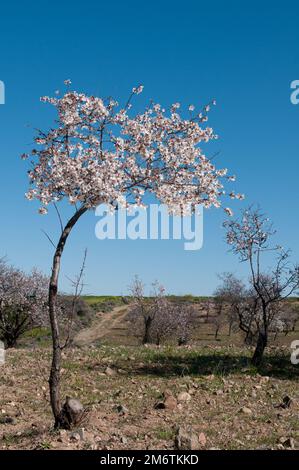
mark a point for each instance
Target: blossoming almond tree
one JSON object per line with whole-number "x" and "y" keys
{"x": 100, "y": 152}
{"x": 23, "y": 302}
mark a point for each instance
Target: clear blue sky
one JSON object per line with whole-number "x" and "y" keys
{"x": 244, "y": 54}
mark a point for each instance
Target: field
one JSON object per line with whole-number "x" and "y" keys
{"x": 138, "y": 397}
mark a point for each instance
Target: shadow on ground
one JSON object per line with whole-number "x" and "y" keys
{"x": 169, "y": 365}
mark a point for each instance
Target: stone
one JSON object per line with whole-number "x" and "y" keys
{"x": 75, "y": 436}
{"x": 110, "y": 372}
{"x": 167, "y": 393}
{"x": 286, "y": 402}
{"x": 186, "y": 439}
{"x": 202, "y": 439}
{"x": 62, "y": 435}
{"x": 287, "y": 442}
{"x": 7, "y": 420}
{"x": 184, "y": 397}
{"x": 122, "y": 409}
{"x": 72, "y": 413}
{"x": 246, "y": 410}
{"x": 170, "y": 403}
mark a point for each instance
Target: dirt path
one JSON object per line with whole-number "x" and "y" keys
{"x": 102, "y": 326}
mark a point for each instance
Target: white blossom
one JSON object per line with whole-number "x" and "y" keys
{"x": 98, "y": 152}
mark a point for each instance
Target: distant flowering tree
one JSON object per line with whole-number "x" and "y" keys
{"x": 250, "y": 239}
{"x": 158, "y": 319}
{"x": 100, "y": 152}
{"x": 141, "y": 312}
{"x": 23, "y": 302}
{"x": 185, "y": 323}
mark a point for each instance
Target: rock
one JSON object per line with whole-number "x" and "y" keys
{"x": 246, "y": 410}
{"x": 81, "y": 433}
{"x": 124, "y": 440}
{"x": 287, "y": 442}
{"x": 122, "y": 409}
{"x": 167, "y": 393}
{"x": 110, "y": 372}
{"x": 75, "y": 436}
{"x": 286, "y": 402}
{"x": 210, "y": 401}
{"x": 202, "y": 439}
{"x": 170, "y": 403}
{"x": 62, "y": 436}
{"x": 184, "y": 397}
{"x": 186, "y": 439}
{"x": 72, "y": 413}
{"x": 7, "y": 420}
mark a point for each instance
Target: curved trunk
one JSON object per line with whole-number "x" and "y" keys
{"x": 54, "y": 379}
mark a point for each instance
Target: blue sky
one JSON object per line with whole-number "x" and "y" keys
{"x": 244, "y": 54}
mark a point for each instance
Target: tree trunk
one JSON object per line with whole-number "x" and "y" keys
{"x": 54, "y": 379}
{"x": 147, "y": 327}
{"x": 259, "y": 350}
{"x": 182, "y": 341}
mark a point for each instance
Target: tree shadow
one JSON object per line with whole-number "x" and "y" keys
{"x": 167, "y": 365}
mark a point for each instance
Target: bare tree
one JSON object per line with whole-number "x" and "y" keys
{"x": 71, "y": 306}
{"x": 219, "y": 319}
{"x": 229, "y": 297}
{"x": 250, "y": 240}
{"x": 290, "y": 316}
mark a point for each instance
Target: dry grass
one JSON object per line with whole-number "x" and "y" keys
{"x": 219, "y": 379}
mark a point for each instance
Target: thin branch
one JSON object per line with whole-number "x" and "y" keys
{"x": 51, "y": 241}
{"x": 59, "y": 216}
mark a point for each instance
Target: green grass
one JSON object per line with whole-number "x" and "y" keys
{"x": 40, "y": 336}
{"x": 37, "y": 333}
{"x": 104, "y": 303}
{"x": 165, "y": 434}
{"x": 99, "y": 299}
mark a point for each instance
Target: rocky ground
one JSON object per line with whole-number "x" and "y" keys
{"x": 153, "y": 398}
